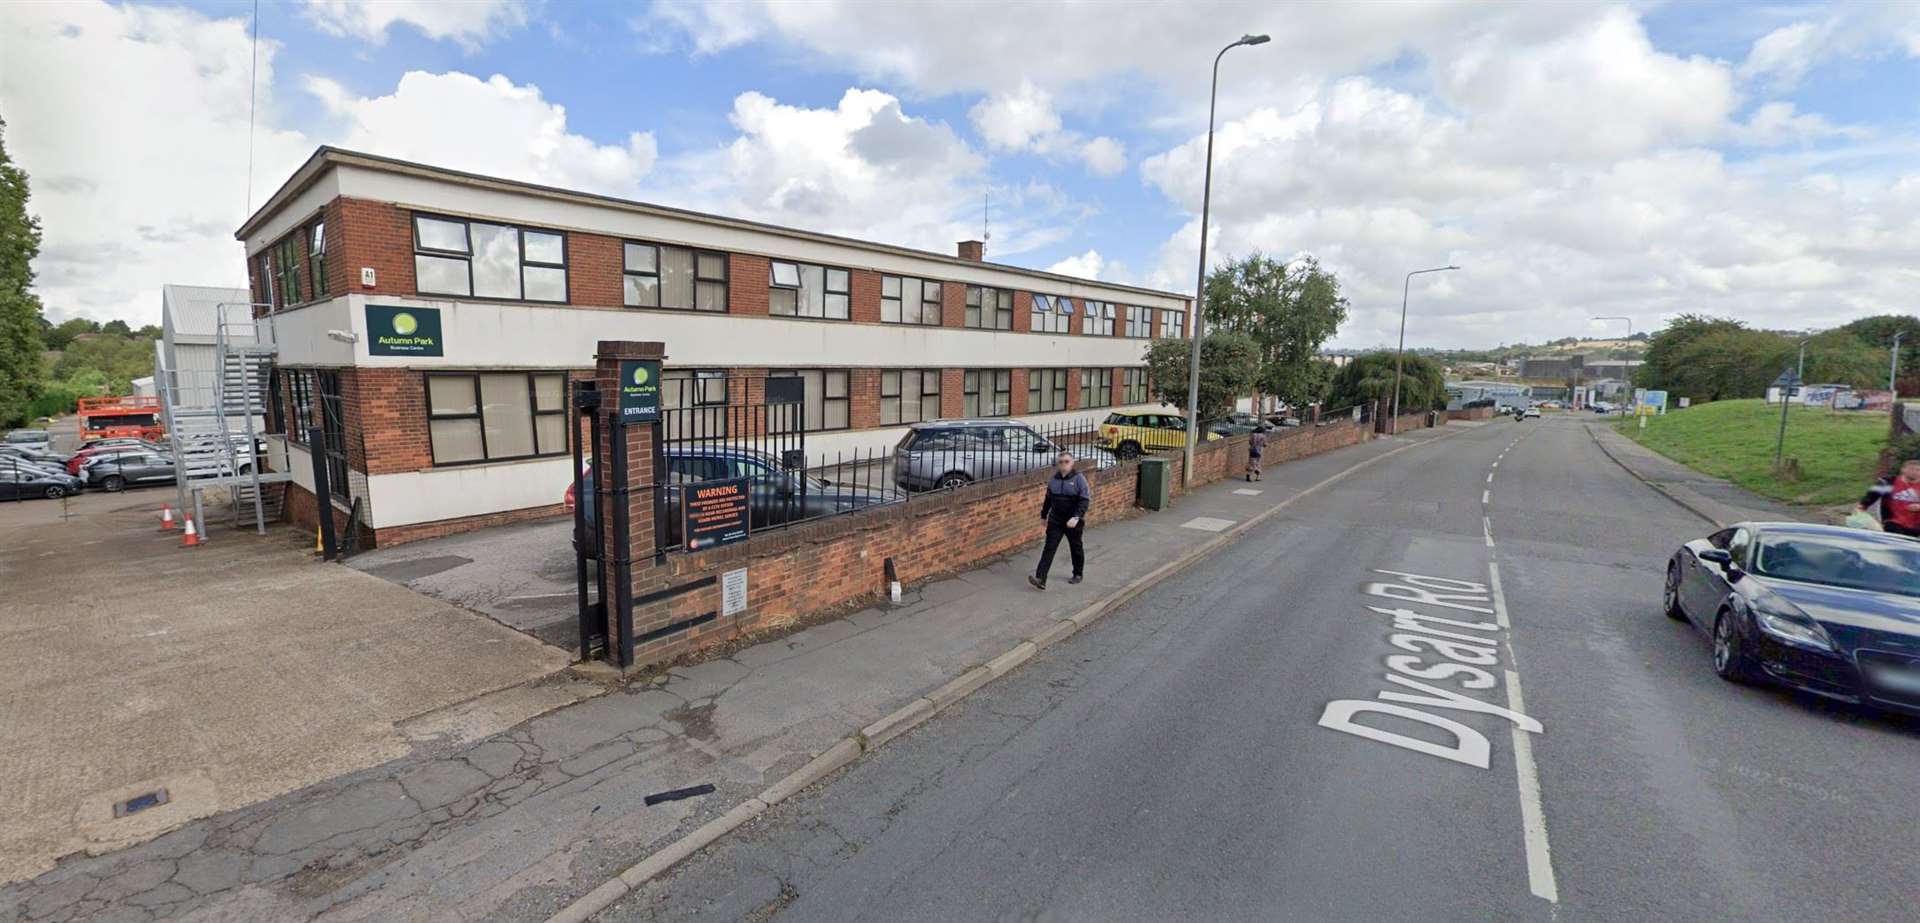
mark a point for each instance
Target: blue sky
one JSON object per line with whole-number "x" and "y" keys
{"x": 1577, "y": 159}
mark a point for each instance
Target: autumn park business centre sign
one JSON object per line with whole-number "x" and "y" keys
{"x": 395, "y": 331}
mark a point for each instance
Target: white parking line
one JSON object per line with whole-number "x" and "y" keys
{"x": 1486, "y": 496}
{"x": 1533, "y": 816}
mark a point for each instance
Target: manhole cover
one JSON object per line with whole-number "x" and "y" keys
{"x": 139, "y": 803}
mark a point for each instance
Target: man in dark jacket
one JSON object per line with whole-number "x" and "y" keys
{"x": 1065, "y": 512}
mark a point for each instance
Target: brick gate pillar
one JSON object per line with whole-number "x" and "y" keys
{"x": 639, "y": 480}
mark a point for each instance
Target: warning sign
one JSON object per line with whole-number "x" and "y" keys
{"x": 716, "y": 513}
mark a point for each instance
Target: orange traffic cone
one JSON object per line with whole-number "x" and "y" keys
{"x": 190, "y": 538}
{"x": 166, "y": 518}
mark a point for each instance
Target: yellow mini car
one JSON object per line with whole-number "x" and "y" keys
{"x": 1130, "y": 435}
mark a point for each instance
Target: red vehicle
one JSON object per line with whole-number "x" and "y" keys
{"x": 124, "y": 417}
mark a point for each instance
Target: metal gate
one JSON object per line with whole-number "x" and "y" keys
{"x": 333, "y": 476}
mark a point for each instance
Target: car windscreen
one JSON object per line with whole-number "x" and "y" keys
{"x": 1841, "y": 561}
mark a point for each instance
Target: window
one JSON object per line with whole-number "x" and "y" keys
{"x": 700, "y": 397}
{"x": 1134, "y": 386}
{"x": 1046, "y": 390}
{"x": 1052, "y": 313}
{"x": 907, "y": 300}
{"x": 1139, "y": 321}
{"x": 495, "y": 416}
{"x": 987, "y": 392}
{"x": 286, "y": 271}
{"x": 826, "y": 396}
{"x": 263, "y": 292}
{"x": 1173, "y": 324}
{"x": 909, "y": 395}
{"x": 317, "y": 258}
{"x": 300, "y": 403}
{"x": 989, "y": 308}
{"x": 1099, "y": 319}
{"x": 452, "y": 257}
{"x": 806, "y": 290}
{"x": 674, "y": 277}
{"x": 1738, "y": 547}
{"x": 1096, "y": 388}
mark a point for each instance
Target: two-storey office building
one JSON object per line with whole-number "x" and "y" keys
{"x": 428, "y": 320}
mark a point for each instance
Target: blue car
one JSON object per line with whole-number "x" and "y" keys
{"x": 1828, "y": 610}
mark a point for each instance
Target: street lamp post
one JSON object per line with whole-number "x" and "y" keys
{"x": 1893, "y": 376}
{"x": 1200, "y": 283}
{"x": 1400, "y": 355}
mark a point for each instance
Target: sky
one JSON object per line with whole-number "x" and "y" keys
{"x": 1575, "y": 160}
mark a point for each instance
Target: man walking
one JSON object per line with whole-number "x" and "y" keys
{"x": 1256, "y": 445}
{"x": 1065, "y": 512}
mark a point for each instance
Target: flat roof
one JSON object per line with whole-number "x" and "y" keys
{"x": 327, "y": 156}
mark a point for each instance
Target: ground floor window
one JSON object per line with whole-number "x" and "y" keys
{"x": 1046, "y": 390}
{"x": 495, "y": 416}
{"x": 987, "y": 392}
{"x": 1096, "y": 388}
{"x": 299, "y": 388}
{"x": 825, "y": 396}
{"x": 694, "y": 402}
{"x": 1135, "y": 386}
{"x": 909, "y": 395}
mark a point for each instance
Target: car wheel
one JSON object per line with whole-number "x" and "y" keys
{"x": 55, "y": 492}
{"x": 1731, "y": 661}
{"x": 1128, "y": 450}
{"x": 113, "y": 483}
{"x": 952, "y": 480}
{"x": 1671, "y": 595}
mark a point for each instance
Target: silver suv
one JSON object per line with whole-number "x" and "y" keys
{"x": 954, "y": 453}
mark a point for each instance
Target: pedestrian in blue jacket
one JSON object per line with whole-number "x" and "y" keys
{"x": 1065, "y": 512}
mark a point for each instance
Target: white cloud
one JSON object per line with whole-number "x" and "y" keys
{"x": 1018, "y": 120}
{"x": 1777, "y": 123}
{"x": 1860, "y": 29}
{"x": 493, "y": 127}
{"x": 1086, "y": 266}
{"x": 469, "y": 23}
{"x": 1104, "y": 156}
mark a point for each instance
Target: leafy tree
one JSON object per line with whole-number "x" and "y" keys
{"x": 1726, "y": 361}
{"x": 150, "y": 332}
{"x": 1288, "y": 312}
{"x": 1229, "y": 362}
{"x": 117, "y": 327}
{"x": 59, "y": 336}
{"x": 20, "y": 317}
{"x": 1369, "y": 378}
{"x": 119, "y": 359}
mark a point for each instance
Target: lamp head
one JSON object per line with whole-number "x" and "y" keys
{"x": 1254, "y": 40}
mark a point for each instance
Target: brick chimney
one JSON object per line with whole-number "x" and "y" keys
{"x": 973, "y": 250}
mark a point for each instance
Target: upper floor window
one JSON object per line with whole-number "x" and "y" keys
{"x": 987, "y": 392}
{"x": 989, "y": 308}
{"x": 1173, "y": 324}
{"x": 286, "y": 271}
{"x": 1096, "y": 388}
{"x": 263, "y": 289}
{"x": 1099, "y": 319}
{"x": 317, "y": 258}
{"x": 456, "y": 257}
{"x": 1139, "y": 321}
{"x": 673, "y": 277}
{"x": 1046, "y": 390}
{"x": 907, "y": 300}
{"x": 1052, "y": 313}
{"x": 807, "y": 290}
{"x": 909, "y": 395}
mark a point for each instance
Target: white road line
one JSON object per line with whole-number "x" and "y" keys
{"x": 1489, "y": 477}
{"x": 1486, "y": 496}
{"x": 1496, "y": 463}
{"x": 1533, "y": 817}
{"x": 1486, "y": 528}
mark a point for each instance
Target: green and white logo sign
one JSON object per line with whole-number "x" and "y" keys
{"x": 639, "y": 390}
{"x": 393, "y": 331}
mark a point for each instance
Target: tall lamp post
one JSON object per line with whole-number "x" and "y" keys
{"x": 1200, "y": 283}
{"x": 1893, "y": 376}
{"x": 1400, "y": 356}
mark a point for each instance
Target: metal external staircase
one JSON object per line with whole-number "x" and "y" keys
{"x": 215, "y": 420}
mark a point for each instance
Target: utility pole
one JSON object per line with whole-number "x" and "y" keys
{"x": 1786, "y": 399}
{"x": 1400, "y": 355}
{"x": 1893, "y": 377}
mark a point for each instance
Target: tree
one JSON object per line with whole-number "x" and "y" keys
{"x": 119, "y": 359}
{"x": 1369, "y": 377}
{"x": 1229, "y": 363}
{"x": 60, "y": 335}
{"x": 150, "y": 332}
{"x": 1287, "y": 312}
{"x": 117, "y": 327}
{"x": 20, "y": 318}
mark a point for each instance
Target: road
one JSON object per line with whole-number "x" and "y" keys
{"x": 1183, "y": 758}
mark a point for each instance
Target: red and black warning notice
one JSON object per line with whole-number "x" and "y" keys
{"x": 716, "y": 513}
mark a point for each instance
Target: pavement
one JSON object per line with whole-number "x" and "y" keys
{"x": 519, "y": 575}
{"x": 518, "y": 824}
{"x": 1223, "y": 746}
{"x": 1712, "y": 499}
{"x": 226, "y": 675}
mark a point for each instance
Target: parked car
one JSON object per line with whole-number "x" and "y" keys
{"x": 1829, "y": 610}
{"x": 1252, "y": 421}
{"x": 775, "y": 496}
{"x": 30, "y": 438}
{"x": 28, "y": 483}
{"x": 116, "y": 471}
{"x": 79, "y": 459}
{"x": 953, "y": 453}
{"x": 1531, "y": 413}
{"x": 1129, "y": 435}
{"x": 36, "y": 456}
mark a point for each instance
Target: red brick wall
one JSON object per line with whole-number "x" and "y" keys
{"x": 747, "y": 284}
{"x": 865, "y": 291}
{"x": 392, "y": 411}
{"x": 863, "y": 398}
{"x": 953, "y": 397}
{"x": 375, "y": 234}
{"x": 953, "y": 305}
{"x": 1022, "y": 312}
{"x": 596, "y": 270}
{"x": 1017, "y": 391}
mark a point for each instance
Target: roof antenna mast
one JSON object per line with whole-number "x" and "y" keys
{"x": 986, "y": 219}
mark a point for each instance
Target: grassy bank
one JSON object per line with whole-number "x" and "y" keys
{"x": 1735, "y": 440}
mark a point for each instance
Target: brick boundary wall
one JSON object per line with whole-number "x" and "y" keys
{"x": 1471, "y": 413}
{"x": 840, "y": 561}
{"x": 1407, "y": 421}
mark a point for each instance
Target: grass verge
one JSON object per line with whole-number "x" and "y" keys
{"x": 1837, "y": 451}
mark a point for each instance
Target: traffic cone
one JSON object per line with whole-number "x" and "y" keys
{"x": 190, "y": 538}
{"x": 166, "y": 518}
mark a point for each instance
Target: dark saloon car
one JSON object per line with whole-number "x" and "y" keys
{"x": 775, "y": 496}
{"x": 1825, "y": 609}
{"x": 24, "y": 483}
{"x": 116, "y": 471}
